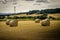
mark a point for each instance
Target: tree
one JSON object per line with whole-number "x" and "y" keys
{"x": 2, "y": 17}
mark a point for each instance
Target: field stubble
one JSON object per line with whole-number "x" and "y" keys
{"x": 29, "y": 30}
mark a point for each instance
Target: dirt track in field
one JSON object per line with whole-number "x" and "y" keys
{"x": 29, "y": 30}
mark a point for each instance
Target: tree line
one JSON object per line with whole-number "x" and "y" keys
{"x": 48, "y": 11}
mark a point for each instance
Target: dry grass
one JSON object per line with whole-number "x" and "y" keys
{"x": 55, "y": 15}
{"x": 29, "y": 30}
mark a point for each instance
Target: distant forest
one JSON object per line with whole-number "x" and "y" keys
{"x": 48, "y": 11}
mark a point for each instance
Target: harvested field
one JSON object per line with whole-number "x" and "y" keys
{"x": 29, "y": 30}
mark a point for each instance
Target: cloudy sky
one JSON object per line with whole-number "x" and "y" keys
{"x": 7, "y": 6}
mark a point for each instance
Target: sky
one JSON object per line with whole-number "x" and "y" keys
{"x": 7, "y": 6}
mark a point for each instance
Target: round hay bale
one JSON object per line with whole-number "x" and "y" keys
{"x": 37, "y": 20}
{"x": 13, "y": 23}
{"x": 7, "y": 21}
{"x": 45, "y": 22}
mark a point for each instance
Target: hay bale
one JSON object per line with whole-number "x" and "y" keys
{"x": 37, "y": 20}
{"x": 13, "y": 23}
{"x": 7, "y": 21}
{"x": 45, "y": 22}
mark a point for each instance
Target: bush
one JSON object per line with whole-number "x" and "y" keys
{"x": 16, "y": 17}
{"x": 53, "y": 18}
{"x": 2, "y": 17}
{"x": 44, "y": 16}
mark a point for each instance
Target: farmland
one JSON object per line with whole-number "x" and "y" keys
{"x": 29, "y": 30}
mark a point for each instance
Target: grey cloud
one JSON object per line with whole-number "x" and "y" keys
{"x": 5, "y": 1}
{"x": 44, "y": 1}
{"x": 28, "y": 0}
